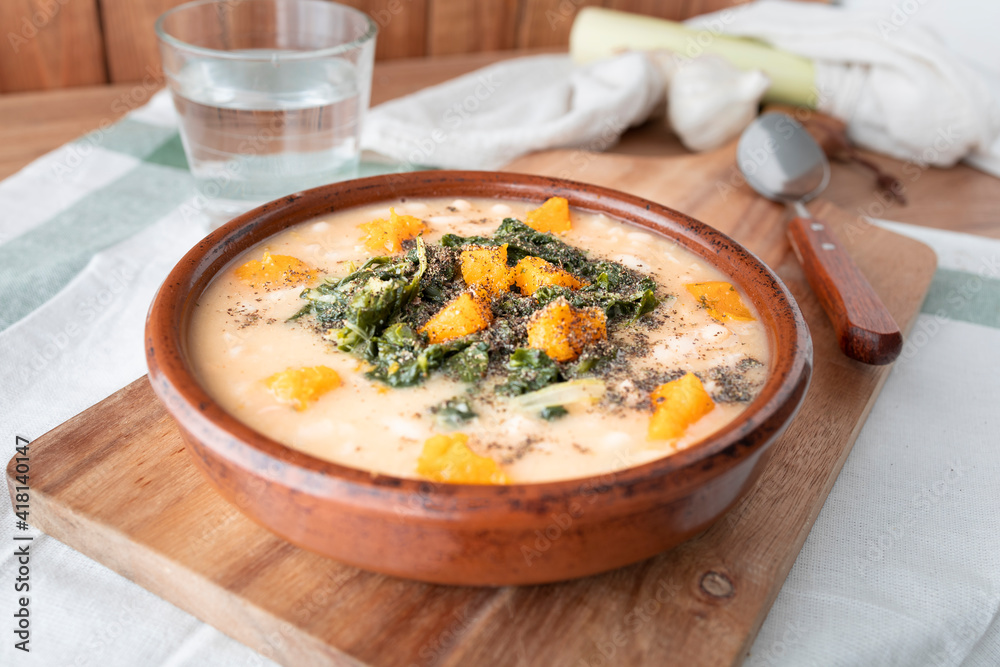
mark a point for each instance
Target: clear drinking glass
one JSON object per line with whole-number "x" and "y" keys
{"x": 271, "y": 94}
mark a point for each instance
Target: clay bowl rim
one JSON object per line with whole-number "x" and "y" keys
{"x": 174, "y": 381}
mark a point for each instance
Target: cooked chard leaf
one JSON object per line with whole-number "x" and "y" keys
{"x": 530, "y": 370}
{"x": 549, "y": 293}
{"x": 514, "y": 305}
{"x": 456, "y": 241}
{"x": 647, "y": 303}
{"x": 402, "y": 359}
{"x": 502, "y": 338}
{"x": 453, "y": 412}
{"x": 470, "y": 364}
{"x": 438, "y": 283}
{"x": 605, "y": 275}
{"x": 551, "y": 412}
{"x": 523, "y": 241}
{"x": 617, "y": 307}
{"x": 622, "y": 293}
{"x": 330, "y": 300}
{"x": 378, "y": 301}
{"x": 368, "y": 296}
{"x": 588, "y": 363}
{"x": 376, "y": 310}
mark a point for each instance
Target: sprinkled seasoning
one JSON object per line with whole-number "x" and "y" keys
{"x": 363, "y": 318}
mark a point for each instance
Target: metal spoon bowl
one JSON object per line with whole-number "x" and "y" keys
{"x": 782, "y": 162}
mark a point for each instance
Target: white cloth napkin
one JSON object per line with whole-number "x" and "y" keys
{"x": 485, "y": 119}
{"x": 902, "y": 91}
{"x": 901, "y": 568}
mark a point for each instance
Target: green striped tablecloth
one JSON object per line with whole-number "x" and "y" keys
{"x": 902, "y": 567}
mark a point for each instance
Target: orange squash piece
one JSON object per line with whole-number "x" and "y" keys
{"x": 275, "y": 272}
{"x": 721, "y": 300}
{"x": 562, "y": 331}
{"x": 534, "y": 272}
{"x": 485, "y": 270}
{"x": 300, "y": 386}
{"x": 447, "y": 458}
{"x": 552, "y": 216}
{"x": 383, "y": 235}
{"x": 462, "y": 316}
{"x": 677, "y": 405}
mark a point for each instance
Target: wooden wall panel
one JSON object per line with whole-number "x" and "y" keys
{"x": 93, "y": 41}
{"x": 674, "y": 11}
{"x": 461, "y": 26}
{"x": 130, "y": 41}
{"x": 50, "y": 44}
{"x": 402, "y": 26}
{"x": 548, "y": 22}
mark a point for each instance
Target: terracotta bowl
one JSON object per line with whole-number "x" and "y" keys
{"x": 468, "y": 534}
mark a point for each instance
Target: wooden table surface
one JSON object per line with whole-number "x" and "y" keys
{"x": 959, "y": 199}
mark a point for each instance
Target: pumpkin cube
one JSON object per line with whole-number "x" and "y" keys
{"x": 275, "y": 272}
{"x": 721, "y": 300}
{"x": 552, "y": 216}
{"x": 447, "y": 458}
{"x": 562, "y": 331}
{"x": 462, "y": 316}
{"x": 677, "y": 405}
{"x": 534, "y": 272}
{"x": 383, "y": 235}
{"x": 484, "y": 269}
{"x": 300, "y": 386}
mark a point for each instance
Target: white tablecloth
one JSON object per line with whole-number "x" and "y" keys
{"x": 901, "y": 568}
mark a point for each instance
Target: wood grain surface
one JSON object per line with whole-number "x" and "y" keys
{"x": 864, "y": 328}
{"x": 59, "y": 43}
{"x": 116, "y": 483}
{"x": 50, "y": 44}
{"x": 959, "y": 199}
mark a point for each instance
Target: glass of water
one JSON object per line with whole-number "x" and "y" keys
{"x": 271, "y": 94}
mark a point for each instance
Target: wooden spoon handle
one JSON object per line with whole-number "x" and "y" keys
{"x": 865, "y": 329}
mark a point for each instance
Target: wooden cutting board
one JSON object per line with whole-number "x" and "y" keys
{"x": 116, "y": 484}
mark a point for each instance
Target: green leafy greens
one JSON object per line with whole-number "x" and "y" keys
{"x": 376, "y": 311}
{"x": 529, "y": 370}
{"x": 454, "y": 412}
{"x": 620, "y": 292}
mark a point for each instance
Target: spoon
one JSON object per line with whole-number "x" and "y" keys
{"x": 782, "y": 162}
